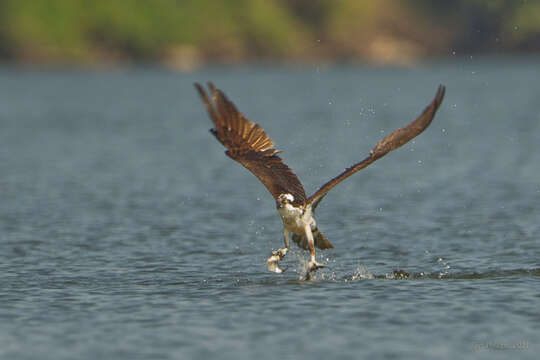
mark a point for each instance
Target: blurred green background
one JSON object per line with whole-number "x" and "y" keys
{"x": 185, "y": 34}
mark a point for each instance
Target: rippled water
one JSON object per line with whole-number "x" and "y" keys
{"x": 126, "y": 233}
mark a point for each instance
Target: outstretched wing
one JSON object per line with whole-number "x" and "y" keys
{"x": 393, "y": 141}
{"x": 247, "y": 143}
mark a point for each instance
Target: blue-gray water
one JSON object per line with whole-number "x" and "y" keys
{"x": 126, "y": 233}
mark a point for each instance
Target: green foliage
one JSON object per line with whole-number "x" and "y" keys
{"x": 232, "y": 30}
{"x": 525, "y": 23}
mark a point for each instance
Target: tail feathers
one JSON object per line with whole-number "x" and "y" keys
{"x": 320, "y": 240}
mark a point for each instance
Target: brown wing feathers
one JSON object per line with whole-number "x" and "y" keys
{"x": 404, "y": 135}
{"x": 247, "y": 143}
{"x": 232, "y": 129}
{"x": 389, "y": 143}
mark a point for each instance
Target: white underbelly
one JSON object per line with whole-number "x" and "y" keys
{"x": 296, "y": 227}
{"x": 298, "y": 224}
{"x": 295, "y": 220}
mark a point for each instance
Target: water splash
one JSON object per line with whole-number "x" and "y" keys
{"x": 361, "y": 273}
{"x": 301, "y": 267}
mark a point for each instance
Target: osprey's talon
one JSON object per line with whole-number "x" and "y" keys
{"x": 313, "y": 265}
{"x": 280, "y": 253}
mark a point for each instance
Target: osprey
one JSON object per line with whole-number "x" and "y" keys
{"x": 248, "y": 143}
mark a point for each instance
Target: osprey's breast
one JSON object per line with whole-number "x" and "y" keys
{"x": 295, "y": 219}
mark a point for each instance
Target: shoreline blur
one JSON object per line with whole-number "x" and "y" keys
{"x": 186, "y": 35}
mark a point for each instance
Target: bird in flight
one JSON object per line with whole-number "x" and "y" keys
{"x": 248, "y": 143}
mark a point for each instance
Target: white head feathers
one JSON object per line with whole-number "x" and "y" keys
{"x": 287, "y": 196}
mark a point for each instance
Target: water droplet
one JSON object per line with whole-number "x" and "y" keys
{"x": 443, "y": 130}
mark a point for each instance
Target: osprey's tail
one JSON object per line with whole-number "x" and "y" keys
{"x": 320, "y": 240}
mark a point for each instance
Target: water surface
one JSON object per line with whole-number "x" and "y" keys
{"x": 126, "y": 233}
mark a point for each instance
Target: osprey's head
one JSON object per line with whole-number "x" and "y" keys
{"x": 284, "y": 199}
